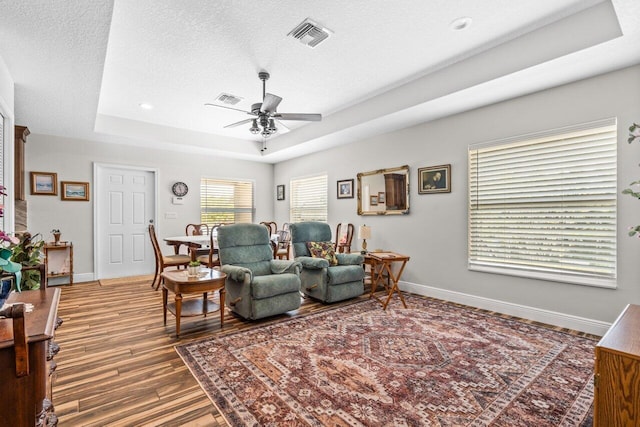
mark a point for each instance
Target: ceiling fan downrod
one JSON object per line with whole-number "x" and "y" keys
{"x": 264, "y": 76}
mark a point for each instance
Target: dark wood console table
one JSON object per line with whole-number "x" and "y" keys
{"x": 26, "y": 359}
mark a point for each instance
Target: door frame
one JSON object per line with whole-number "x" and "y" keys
{"x": 97, "y": 169}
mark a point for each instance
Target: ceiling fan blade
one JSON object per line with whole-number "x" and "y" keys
{"x": 228, "y": 108}
{"x": 281, "y": 125}
{"x": 299, "y": 116}
{"x": 241, "y": 122}
{"x": 270, "y": 103}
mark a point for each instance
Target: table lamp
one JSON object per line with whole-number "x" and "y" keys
{"x": 364, "y": 233}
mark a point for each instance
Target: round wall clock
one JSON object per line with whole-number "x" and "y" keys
{"x": 180, "y": 189}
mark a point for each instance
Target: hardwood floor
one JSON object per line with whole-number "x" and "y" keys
{"x": 117, "y": 364}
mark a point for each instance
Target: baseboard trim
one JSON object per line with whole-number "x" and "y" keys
{"x": 562, "y": 320}
{"x": 84, "y": 277}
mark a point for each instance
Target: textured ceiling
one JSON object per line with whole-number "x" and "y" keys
{"x": 82, "y": 68}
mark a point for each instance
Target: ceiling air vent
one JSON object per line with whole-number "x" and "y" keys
{"x": 310, "y": 33}
{"x": 226, "y": 98}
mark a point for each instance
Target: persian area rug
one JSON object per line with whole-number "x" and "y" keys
{"x": 432, "y": 364}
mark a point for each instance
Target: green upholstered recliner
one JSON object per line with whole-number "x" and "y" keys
{"x": 320, "y": 280}
{"x": 257, "y": 285}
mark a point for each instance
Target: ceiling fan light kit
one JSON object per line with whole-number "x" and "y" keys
{"x": 265, "y": 113}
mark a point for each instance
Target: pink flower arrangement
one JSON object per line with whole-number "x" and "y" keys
{"x": 4, "y": 237}
{"x": 7, "y": 241}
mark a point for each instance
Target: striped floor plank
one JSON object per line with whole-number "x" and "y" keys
{"x": 117, "y": 364}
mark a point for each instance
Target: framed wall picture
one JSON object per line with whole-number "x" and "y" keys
{"x": 373, "y": 200}
{"x": 434, "y": 179}
{"x": 44, "y": 183}
{"x": 74, "y": 190}
{"x": 280, "y": 192}
{"x": 381, "y": 198}
{"x": 345, "y": 189}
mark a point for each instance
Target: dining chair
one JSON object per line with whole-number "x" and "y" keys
{"x": 344, "y": 238}
{"x": 197, "y": 230}
{"x": 273, "y": 230}
{"x": 164, "y": 261}
{"x": 272, "y": 226}
{"x": 211, "y": 259}
{"x": 283, "y": 245}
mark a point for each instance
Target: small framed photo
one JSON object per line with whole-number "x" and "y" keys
{"x": 381, "y": 198}
{"x": 44, "y": 183}
{"x": 434, "y": 179}
{"x": 373, "y": 200}
{"x": 280, "y": 192}
{"x": 345, "y": 189}
{"x": 73, "y": 190}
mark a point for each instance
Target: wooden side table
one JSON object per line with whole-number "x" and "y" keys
{"x": 381, "y": 263}
{"x": 178, "y": 282}
{"x": 59, "y": 260}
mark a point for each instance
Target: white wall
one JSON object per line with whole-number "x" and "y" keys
{"x": 434, "y": 233}
{"x": 73, "y": 160}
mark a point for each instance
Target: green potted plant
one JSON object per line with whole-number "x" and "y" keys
{"x": 193, "y": 268}
{"x": 634, "y": 133}
{"x": 28, "y": 253}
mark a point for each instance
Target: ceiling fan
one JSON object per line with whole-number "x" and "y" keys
{"x": 265, "y": 114}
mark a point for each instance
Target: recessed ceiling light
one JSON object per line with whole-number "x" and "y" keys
{"x": 460, "y": 23}
{"x": 145, "y": 106}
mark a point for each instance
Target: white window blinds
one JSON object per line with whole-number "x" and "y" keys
{"x": 546, "y": 206}
{"x": 308, "y": 199}
{"x": 226, "y": 201}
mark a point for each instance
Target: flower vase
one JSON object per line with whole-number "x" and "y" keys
{"x": 56, "y": 238}
{"x": 192, "y": 270}
{"x": 5, "y": 289}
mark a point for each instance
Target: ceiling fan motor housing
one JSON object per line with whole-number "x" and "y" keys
{"x": 255, "y": 108}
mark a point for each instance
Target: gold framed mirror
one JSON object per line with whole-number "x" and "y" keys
{"x": 384, "y": 191}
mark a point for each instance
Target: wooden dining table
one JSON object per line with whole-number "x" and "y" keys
{"x": 194, "y": 242}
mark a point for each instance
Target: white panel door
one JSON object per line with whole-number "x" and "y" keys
{"x": 125, "y": 205}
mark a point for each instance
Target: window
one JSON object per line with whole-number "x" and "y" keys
{"x": 309, "y": 199}
{"x": 544, "y": 206}
{"x": 226, "y": 201}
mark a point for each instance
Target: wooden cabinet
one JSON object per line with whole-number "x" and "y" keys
{"x": 59, "y": 261}
{"x": 617, "y": 372}
{"x": 20, "y": 139}
{"x": 20, "y": 209}
{"x": 26, "y": 360}
{"x": 395, "y": 185}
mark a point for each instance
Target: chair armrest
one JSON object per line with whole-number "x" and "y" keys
{"x": 350, "y": 259}
{"x": 279, "y": 266}
{"x": 237, "y": 273}
{"x": 312, "y": 263}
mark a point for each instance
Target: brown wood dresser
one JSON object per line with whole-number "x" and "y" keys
{"x": 26, "y": 359}
{"x": 617, "y": 372}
